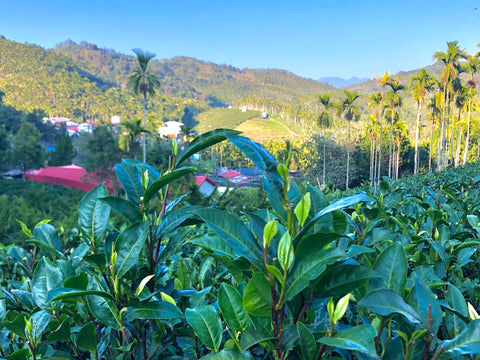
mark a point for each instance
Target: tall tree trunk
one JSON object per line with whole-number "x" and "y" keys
{"x": 452, "y": 136}
{"x": 391, "y": 145}
{"x": 144, "y": 123}
{"x": 398, "y": 161}
{"x": 439, "y": 145}
{"x": 465, "y": 152}
{"x": 372, "y": 160}
{"x": 393, "y": 162}
{"x": 417, "y": 131}
{"x": 379, "y": 162}
{"x": 447, "y": 133}
{"x": 431, "y": 145}
{"x": 375, "y": 161}
{"x": 348, "y": 154}
{"x": 459, "y": 139}
{"x": 441, "y": 148}
{"x": 394, "y": 154}
{"x": 324, "y": 159}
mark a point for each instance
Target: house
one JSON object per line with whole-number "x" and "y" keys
{"x": 206, "y": 185}
{"x": 235, "y": 178}
{"x": 250, "y": 172}
{"x": 86, "y": 127}
{"x": 71, "y": 126}
{"x": 72, "y": 130}
{"x": 68, "y": 175}
{"x": 115, "y": 120}
{"x": 170, "y": 129}
{"x": 59, "y": 121}
{"x": 230, "y": 174}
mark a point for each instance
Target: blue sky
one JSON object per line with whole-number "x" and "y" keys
{"x": 309, "y": 38}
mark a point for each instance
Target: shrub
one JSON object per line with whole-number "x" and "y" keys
{"x": 391, "y": 276}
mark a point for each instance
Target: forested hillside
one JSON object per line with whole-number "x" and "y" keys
{"x": 188, "y": 77}
{"x": 34, "y": 78}
{"x": 404, "y": 123}
{"x": 85, "y": 82}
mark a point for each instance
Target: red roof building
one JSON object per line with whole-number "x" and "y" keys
{"x": 230, "y": 174}
{"x": 206, "y": 185}
{"x": 69, "y": 175}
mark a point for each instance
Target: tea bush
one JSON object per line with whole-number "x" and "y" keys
{"x": 386, "y": 276}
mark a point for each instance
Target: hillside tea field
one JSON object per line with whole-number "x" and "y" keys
{"x": 391, "y": 274}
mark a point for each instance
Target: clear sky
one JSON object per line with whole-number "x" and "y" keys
{"x": 309, "y": 38}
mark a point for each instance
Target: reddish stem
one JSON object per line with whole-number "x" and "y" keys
{"x": 426, "y": 349}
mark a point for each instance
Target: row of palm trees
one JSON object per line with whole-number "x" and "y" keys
{"x": 385, "y": 105}
{"x": 455, "y": 61}
{"x": 346, "y": 108}
{"x": 446, "y": 94}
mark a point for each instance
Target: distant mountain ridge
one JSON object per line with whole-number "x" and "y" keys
{"x": 339, "y": 82}
{"x": 187, "y": 77}
{"x": 371, "y": 85}
{"x": 85, "y": 82}
{"x": 34, "y": 78}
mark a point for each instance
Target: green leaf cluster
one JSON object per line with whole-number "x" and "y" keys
{"x": 386, "y": 276}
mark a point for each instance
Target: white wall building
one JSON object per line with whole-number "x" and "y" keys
{"x": 115, "y": 120}
{"x": 170, "y": 129}
{"x": 86, "y": 127}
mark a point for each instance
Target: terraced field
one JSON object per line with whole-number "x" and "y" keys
{"x": 261, "y": 130}
{"x": 222, "y": 118}
{"x": 249, "y": 122}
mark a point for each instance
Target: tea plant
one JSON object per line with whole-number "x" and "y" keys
{"x": 389, "y": 276}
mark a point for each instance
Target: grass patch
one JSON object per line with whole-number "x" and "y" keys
{"x": 222, "y": 118}
{"x": 261, "y": 130}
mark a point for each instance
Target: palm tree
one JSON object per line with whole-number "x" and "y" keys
{"x": 350, "y": 112}
{"x": 375, "y": 101}
{"x": 420, "y": 85}
{"x": 399, "y": 134}
{"x": 456, "y": 90}
{"x": 371, "y": 132}
{"x": 144, "y": 83}
{"x": 450, "y": 60}
{"x": 435, "y": 112}
{"x": 460, "y": 103}
{"x": 393, "y": 100}
{"x": 325, "y": 121}
{"x": 127, "y": 140}
{"x": 383, "y": 82}
{"x": 472, "y": 66}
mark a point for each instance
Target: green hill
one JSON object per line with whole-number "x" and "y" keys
{"x": 84, "y": 82}
{"x": 249, "y": 123}
{"x": 35, "y": 78}
{"x": 261, "y": 130}
{"x": 188, "y": 77}
{"x": 222, "y": 118}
